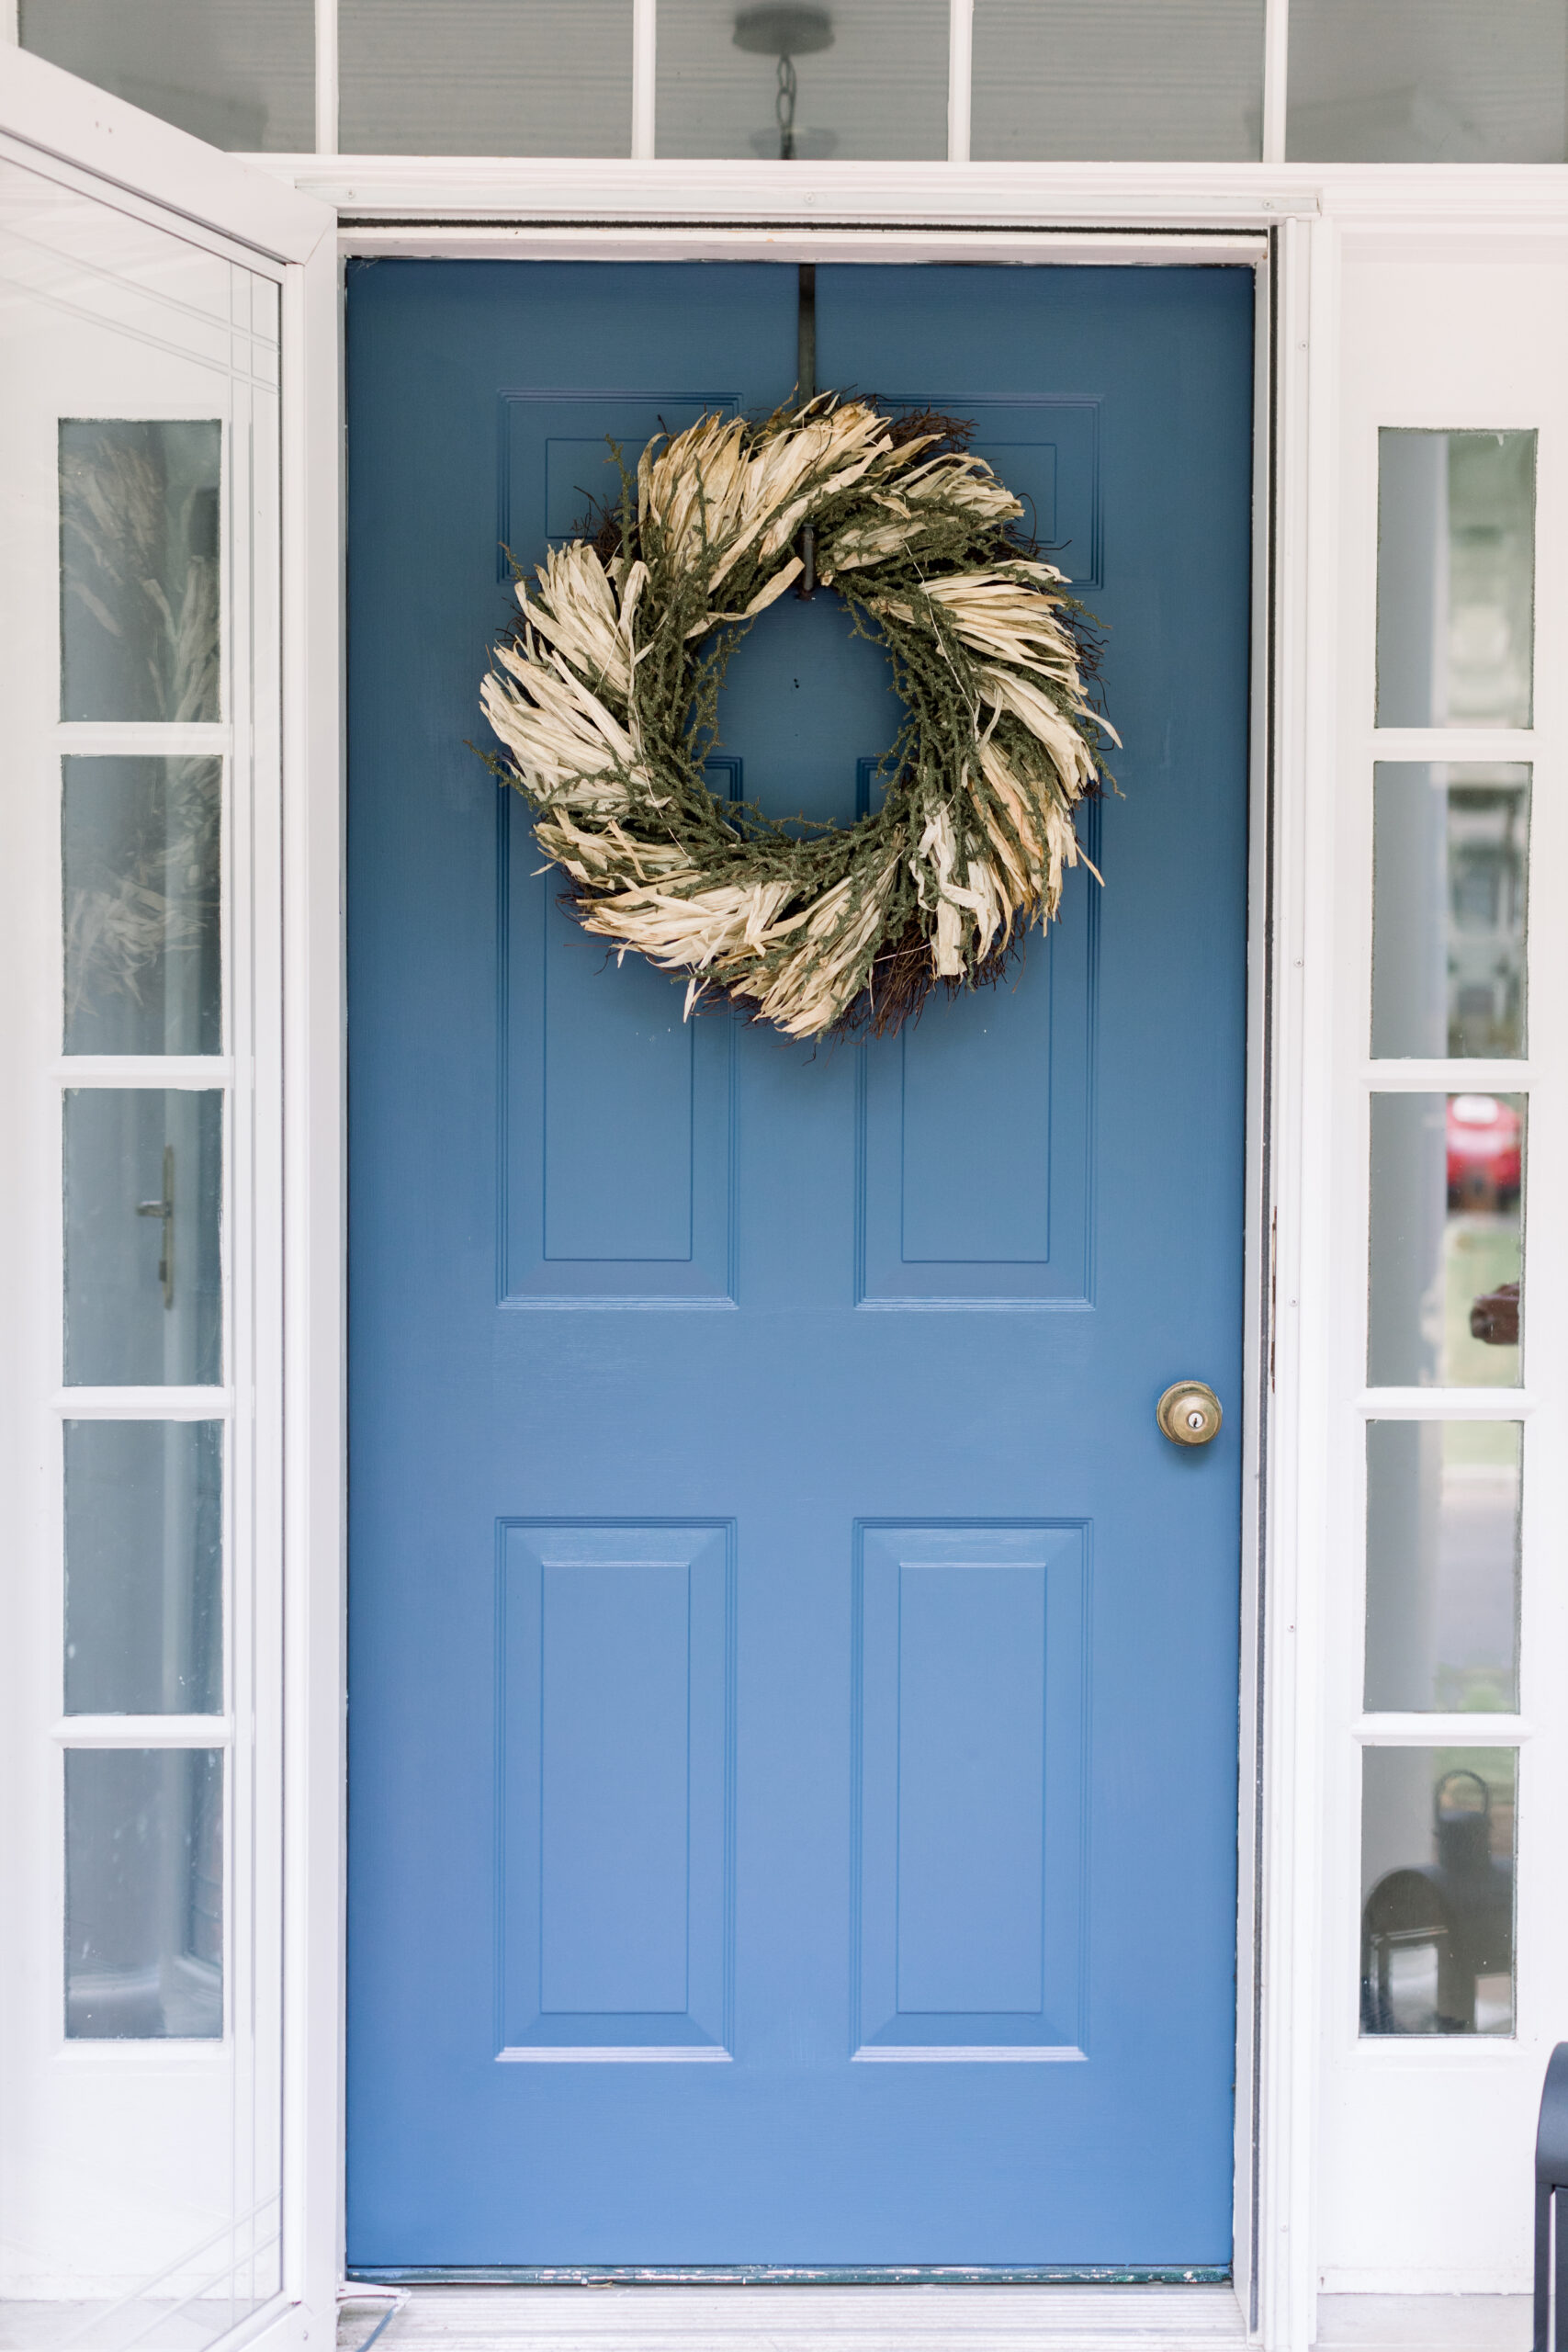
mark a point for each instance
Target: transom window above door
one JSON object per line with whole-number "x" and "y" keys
{"x": 988, "y": 81}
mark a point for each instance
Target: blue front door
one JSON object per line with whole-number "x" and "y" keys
{"x": 793, "y": 1682}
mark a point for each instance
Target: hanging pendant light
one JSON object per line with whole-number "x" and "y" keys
{"x": 785, "y": 32}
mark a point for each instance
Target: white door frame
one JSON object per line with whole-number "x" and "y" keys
{"x": 608, "y": 210}
{"x": 1249, "y": 247}
{"x": 1274, "y": 2260}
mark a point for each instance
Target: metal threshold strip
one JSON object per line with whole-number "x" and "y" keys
{"x": 743, "y": 2310}
{"x": 760, "y": 2274}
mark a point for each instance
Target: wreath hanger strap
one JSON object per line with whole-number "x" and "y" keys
{"x": 605, "y": 698}
{"x": 804, "y": 393}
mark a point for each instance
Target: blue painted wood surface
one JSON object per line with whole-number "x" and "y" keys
{"x": 787, "y": 1667}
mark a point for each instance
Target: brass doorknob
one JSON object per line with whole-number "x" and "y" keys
{"x": 1189, "y": 1413}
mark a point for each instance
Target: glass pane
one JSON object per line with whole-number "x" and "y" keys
{"x": 486, "y": 78}
{"x": 144, "y": 1893}
{"x": 1442, "y": 1566}
{"x": 861, "y": 78}
{"x": 140, "y": 854}
{"x": 143, "y": 1186}
{"x": 1113, "y": 80}
{"x": 1456, "y": 578}
{"x": 1451, "y": 860}
{"x": 1427, "y": 81}
{"x": 143, "y": 1568}
{"x": 1437, "y": 1890}
{"x": 139, "y": 618}
{"x": 1445, "y": 1304}
{"x": 239, "y": 73}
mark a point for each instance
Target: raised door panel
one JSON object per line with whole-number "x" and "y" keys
{"x": 616, "y": 1143}
{"x": 977, "y": 1133}
{"x": 973, "y": 1658}
{"x": 978, "y": 1130}
{"x": 615, "y": 1770}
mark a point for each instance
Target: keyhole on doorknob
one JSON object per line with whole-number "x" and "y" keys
{"x": 1188, "y": 1413}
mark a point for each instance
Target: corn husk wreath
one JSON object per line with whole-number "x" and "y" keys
{"x": 605, "y": 700}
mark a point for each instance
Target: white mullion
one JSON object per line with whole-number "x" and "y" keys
{"x": 185, "y": 1072}
{"x": 1446, "y": 1403}
{"x": 326, "y": 77}
{"x": 145, "y": 1731}
{"x": 142, "y": 738}
{"x": 1410, "y": 1730}
{"x": 1455, "y": 746}
{"x": 1447, "y": 1077}
{"x": 644, "y": 75}
{"x": 1276, "y": 64}
{"x": 143, "y": 1404}
{"x": 959, "y": 78}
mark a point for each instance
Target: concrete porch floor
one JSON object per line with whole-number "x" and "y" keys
{"x": 912, "y": 2319}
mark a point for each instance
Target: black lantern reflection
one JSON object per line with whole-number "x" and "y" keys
{"x": 1442, "y": 1925}
{"x": 786, "y": 31}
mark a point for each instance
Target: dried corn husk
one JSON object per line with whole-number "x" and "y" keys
{"x": 601, "y": 698}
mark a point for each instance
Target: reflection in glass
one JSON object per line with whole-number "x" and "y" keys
{"x": 1451, "y": 861}
{"x": 138, "y": 620}
{"x": 239, "y": 73}
{"x": 1444, "y": 1299}
{"x": 144, "y": 1185}
{"x": 1456, "y": 578}
{"x": 857, "y": 78}
{"x": 141, "y": 844}
{"x": 1442, "y": 1566}
{"x": 1168, "y": 81}
{"x": 1427, "y": 81}
{"x": 1437, "y": 1890}
{"x": 143, "y": 1568}
{"x": 486, "y": 78}
{"x": 144, "y": 1893}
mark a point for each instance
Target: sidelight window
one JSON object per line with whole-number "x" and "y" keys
{"x": 139, "y": 2016}
{"x": 1449, "y": 1438}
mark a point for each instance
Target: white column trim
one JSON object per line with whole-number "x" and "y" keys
{"x": 1287, "y": 2280}
{"x": 315, "y": 1423}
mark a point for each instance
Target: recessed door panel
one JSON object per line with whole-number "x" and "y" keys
{"x": 614, "y": 1114}
{"x": 971, "y": 1727}
{"x": 978, "y": 1136}
{"x": 615, "y": 1722}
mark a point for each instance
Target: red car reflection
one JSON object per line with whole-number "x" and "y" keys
{"x": 1483, "y": 1152}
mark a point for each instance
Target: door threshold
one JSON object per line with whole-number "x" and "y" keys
{"x": 931, "y": 2316}
{"x": 779, "y": 2274}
